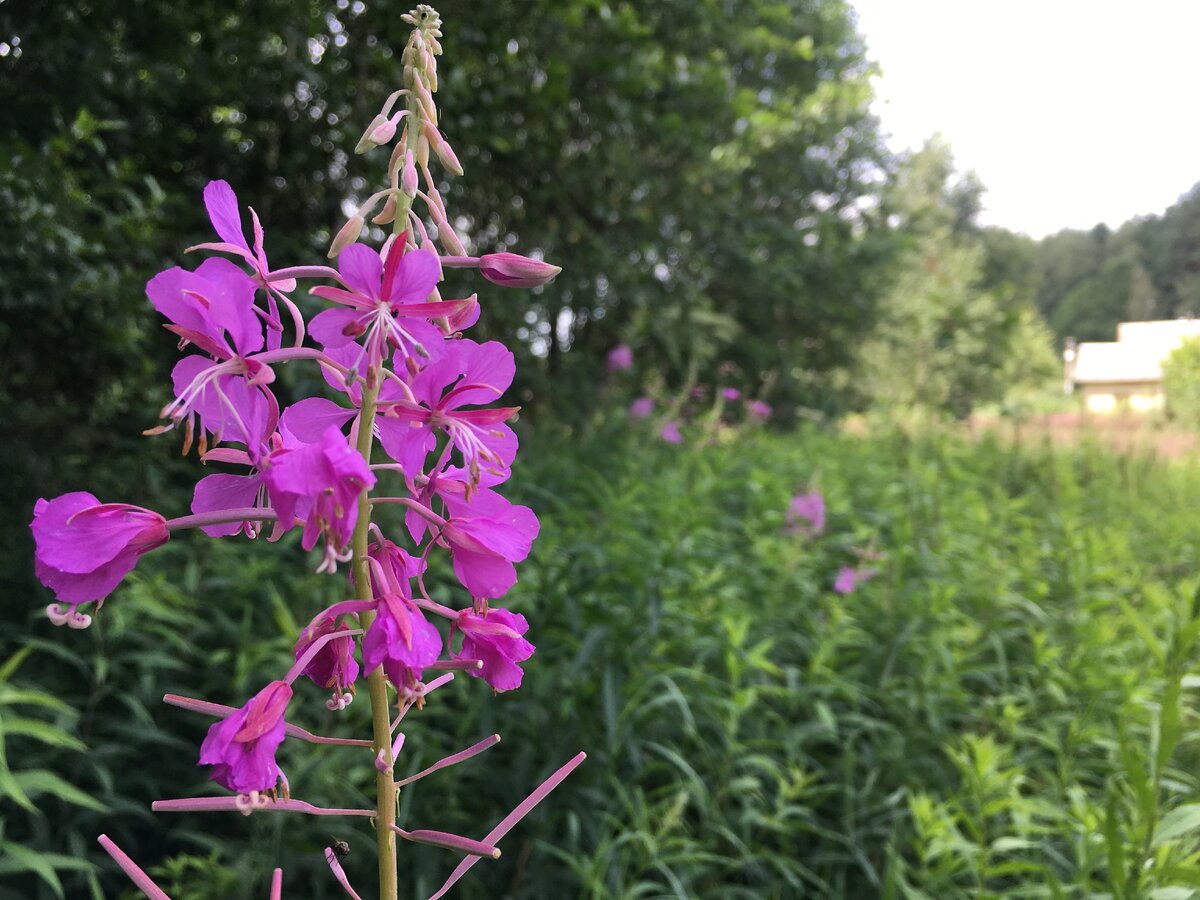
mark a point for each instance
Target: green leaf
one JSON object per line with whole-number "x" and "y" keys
{"x": 40, "y": 781}
{"x": 43, "y": 732}
{"x": 32, "y": 862}
{"x": 1178, "y": 822}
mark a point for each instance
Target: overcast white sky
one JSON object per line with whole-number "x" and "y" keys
{"x": 1071, "y": 112}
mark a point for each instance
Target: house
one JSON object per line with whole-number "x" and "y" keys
{"x": 1125, "y": 373}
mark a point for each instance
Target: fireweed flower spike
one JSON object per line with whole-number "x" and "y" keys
{"x": 393, "y": 348}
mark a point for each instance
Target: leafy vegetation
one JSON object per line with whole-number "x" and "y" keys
{"x": 1181, "y": 384}
{"x": 1007, "y": 710}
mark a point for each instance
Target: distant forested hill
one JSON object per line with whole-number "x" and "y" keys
{"x": 1085, "y": 282}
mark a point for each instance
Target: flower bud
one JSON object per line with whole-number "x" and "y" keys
{"x": 388, "y": 214}
{"x": 443, "y": 150}
{"x": 383, "y": 132}
{"x": 348, "y": 235}
{"x": 513, "y": 270}
{"x": 408, "y": 178}
{"x": 367, "y": 142}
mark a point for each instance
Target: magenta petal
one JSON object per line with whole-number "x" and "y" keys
{"x": 221, "y": 203}
{"x": 221, "y": 491}
{"x": 485, "y": 575}
{"x": 76, "y": 533}
{"x": 328, "y": 328}
{"x": 75, "y": 588}
{"x": 165, "y": 291}
{"x": 309, "y": 419}
{"x": 362, "y": 269}
{"x": 491, "y": 364}
{"x": 497, "y": 640}
{"x": 416, "y": 277}
{"x": 407, "y": 444}
{"x": 230, "y": 292}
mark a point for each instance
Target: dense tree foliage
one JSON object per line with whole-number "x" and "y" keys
{"x": 706, "y": 173}
{"x": 1088, "y": 281}
{"x": 958, "y": 308}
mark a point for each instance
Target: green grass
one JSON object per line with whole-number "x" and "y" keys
{"x": 1006, "y": 711}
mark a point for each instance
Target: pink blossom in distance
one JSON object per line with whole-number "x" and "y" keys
{"x": 756, "y": 409}
{"x": 641, "y": 408}
{"x": 670, "y": 433}
{"x": 806, "y": 514}
{"x": 620, "y": 358}
{"x": 848, "y": 579}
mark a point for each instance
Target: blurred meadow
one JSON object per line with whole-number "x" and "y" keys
{"x": 1004, "y": 706}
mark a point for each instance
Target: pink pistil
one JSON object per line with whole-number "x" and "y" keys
{"x": 453, "y": 759}
{"x": 130, "y": 868}
{"x": 523, "y": 809}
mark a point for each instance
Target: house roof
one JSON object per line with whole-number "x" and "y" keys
{"x": 1116, "y": 362}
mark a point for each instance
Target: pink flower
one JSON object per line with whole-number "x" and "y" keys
{"x": 467, "y": 375}
{"x": 806, "y": 514}
{"x": 386, "y": 303}
{"x": 334, "y": 666}
{"x": 320, "y": 483}
{"x": 731, "y": 394}
{"x": 212, "y": 307}
{"x": 222, "y": 205}
{"x": 848, "y": 579}
{"x": 402, "y": 640}
{"x": 670, "y": 433}
{"x": 486, "y": 534}
{"x": 84, "y": 547}
{"x": 495, "y": 638}
{"x": 756, "y": 409}
{"x": 241, "y": 748}
{"x": 641, "y": 408}
{"x": 515, "y": 271}
{"x": 620, "y": 358}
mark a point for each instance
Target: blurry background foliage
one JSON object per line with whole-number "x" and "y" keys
{"x": 1006, "y": 711}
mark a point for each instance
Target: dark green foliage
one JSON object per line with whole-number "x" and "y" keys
{"x": 1181, "y": 384}
{"x": 698, "y": 169}
{"x": 964, "y": 725}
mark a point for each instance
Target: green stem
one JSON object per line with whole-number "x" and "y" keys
{"x": 381, "y": 720}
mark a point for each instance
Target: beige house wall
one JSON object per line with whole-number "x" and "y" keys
{"x": 1135, "y": 396}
